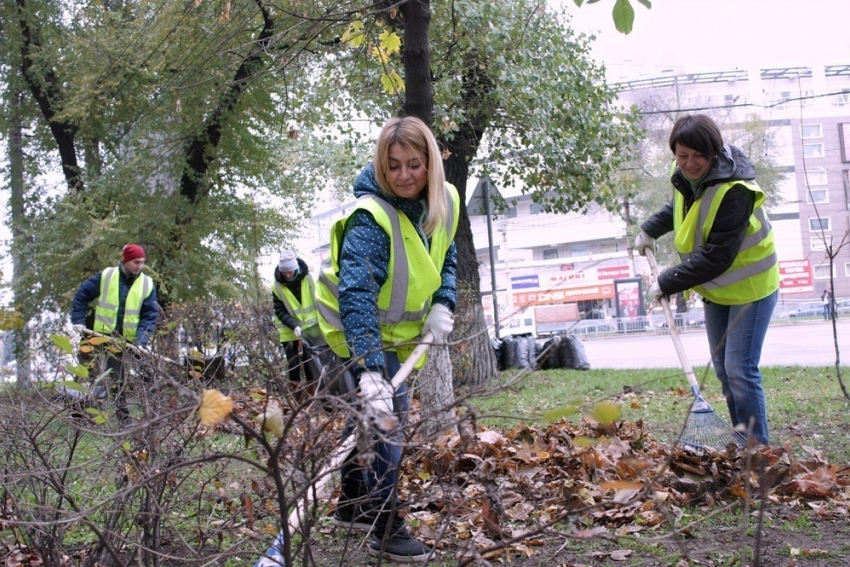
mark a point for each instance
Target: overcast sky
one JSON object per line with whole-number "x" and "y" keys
{"x": 717, "y": 35}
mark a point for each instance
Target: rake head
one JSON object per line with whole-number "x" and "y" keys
{"x": 707, "y": 430}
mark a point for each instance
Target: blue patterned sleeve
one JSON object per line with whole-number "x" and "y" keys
{"x": 447, "y": 294}
{"x": 363, "y": 269}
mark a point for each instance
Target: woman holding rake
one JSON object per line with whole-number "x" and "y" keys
{"x": 727, "y": 252}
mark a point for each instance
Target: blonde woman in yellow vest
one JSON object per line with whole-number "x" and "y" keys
{"x": 293, "y": 297}
{"x": 119, "y": 301}
{"x": 392, "y": 265}
{"x": 726, "y": 246}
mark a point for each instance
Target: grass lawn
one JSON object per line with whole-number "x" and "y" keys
{"x": 805, "y": 404}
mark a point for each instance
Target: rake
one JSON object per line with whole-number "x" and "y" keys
{"x": 704, "y": 429}
{"x": 274, "y": 555}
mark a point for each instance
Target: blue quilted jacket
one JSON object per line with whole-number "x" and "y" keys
{"x": 364, "y": 260}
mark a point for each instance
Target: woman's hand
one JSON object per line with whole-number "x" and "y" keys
{"x": 440, "y": 322}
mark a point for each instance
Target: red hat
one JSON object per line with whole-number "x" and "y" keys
{"x": 132, "y": 252}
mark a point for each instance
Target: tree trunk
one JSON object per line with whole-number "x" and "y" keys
{"x": 474, "y": 357}
{"x": 436, "y": 393}
{"x": 435, "y": 378}
{"x": 418, "y": 96}
{"x": 16, "y": 184}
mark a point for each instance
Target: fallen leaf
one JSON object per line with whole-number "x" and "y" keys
{"x": 215, "y": 406}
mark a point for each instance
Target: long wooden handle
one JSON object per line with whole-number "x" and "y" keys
{"x": 342, "y": 452}
{"x": 674, "y": 332}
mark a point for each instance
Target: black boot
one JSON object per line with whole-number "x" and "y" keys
{"x": 391, "y": 540}
{"x": 354, "y": 510}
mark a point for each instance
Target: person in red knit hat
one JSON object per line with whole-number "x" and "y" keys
{"x": 119, "y": 301}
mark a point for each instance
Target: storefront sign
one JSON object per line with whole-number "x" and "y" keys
{"x": 564, "y": 295}
{"x": 612, "y": 272}
{"x": 795, "y": 276}
{"x": 525, "y": 282}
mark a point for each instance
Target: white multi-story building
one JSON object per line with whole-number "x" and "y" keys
{"x": 544, "y": 259}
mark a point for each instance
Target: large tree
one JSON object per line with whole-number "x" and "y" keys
{"x": 517, "y": 97}
{"x": 171, "y": 126}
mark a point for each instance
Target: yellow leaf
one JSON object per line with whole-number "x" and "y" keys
{"x": 272, "y": 420}
{"x": 380, "y": 54}
{"x": 605, "y": 413}
{"x": 582, "y": 441}
{"x": 392, "y": 83}
{"x": 98, "y": 340}
{"x": 424, "y": 476}
{"x": 85, "y": 349}
{"x": 389, "y": 41}
{"x": 354, "y": 35}
{"x": 215, "y": 406}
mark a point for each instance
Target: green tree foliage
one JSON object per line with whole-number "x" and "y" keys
{"x": 172, "y": 126}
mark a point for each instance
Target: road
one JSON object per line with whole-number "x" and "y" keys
{"x": 805, "y": 343}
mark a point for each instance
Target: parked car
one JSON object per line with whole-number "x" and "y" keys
{"x": 807, "y": 310}
{"x": 842, "y": 306}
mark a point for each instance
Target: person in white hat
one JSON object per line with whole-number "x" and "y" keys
{"x": 293, "y": 295}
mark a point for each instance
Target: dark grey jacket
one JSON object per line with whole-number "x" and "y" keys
{"x": 726, "y": 235}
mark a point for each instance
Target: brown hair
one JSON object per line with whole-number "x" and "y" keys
{"x": 698, "y": 132}
{"x": 412, "y": 132}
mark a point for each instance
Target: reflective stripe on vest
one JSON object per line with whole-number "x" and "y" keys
{"x": 398, "y": 324}
{"x": 106, "y": 311}
{"x": 305, "y": 312}
{"x": 754, "y": 273}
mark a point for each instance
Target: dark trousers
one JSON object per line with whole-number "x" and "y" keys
{"x": 380, "y": 479}
{"x": 295, "y": 363}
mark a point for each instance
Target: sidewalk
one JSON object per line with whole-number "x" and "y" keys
{"x": 804, "y": 343}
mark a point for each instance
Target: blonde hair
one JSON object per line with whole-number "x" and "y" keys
{"x": 411, "y": 132}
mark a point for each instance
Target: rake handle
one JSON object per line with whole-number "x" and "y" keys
{"x": 342, "y": 452}
{"x": 674, "y": 332}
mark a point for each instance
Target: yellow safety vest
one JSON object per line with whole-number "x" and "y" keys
{"x": 754, "y": 274}
{"x": 414, "y": 275}
{"x": 106, "y": 311}
{"x": 304, "y": 312}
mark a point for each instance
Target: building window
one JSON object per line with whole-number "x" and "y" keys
{"x": 818, "y": 243}
{"x": 844, "y": 138}
{"x": 843, "y": 98}
{"x": 812, "y": 150}
{"x": 580, "y": 249}
{"x": 847, "y": 269}
{"x": 535, "y": 209}
{"x": 550, "y": 253}
{"x": 816, "y": 196}
{"x": 816, "y": 176}
{"x": 609, "y": 247}
{"x": 822, "y": 271}
{"x": 808, "y": 131}
{"x": 819, "y": 224}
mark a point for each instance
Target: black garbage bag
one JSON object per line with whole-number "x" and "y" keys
{"x": 510, "y": 355}
{"x": 522, "y": 357}
{"x": 547, "y": 358}
{"x": 497, "y": 348}
{"x": 532, "y": 351}
{"x": 571, "y": 354}
{"x": 582, "y": 363}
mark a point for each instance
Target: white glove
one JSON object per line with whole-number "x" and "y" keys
{"x": 297, "y": 331}
{"x": 655, "y": 291}
{"x": 378, "y": 394}
{"x": 644, "y": 241}
{"x": 439, "y": 321}
{"x": 80, "y": 329}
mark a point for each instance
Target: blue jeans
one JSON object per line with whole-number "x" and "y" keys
{"x": 735, "y": 336}
{"x": 380, "y": 479}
